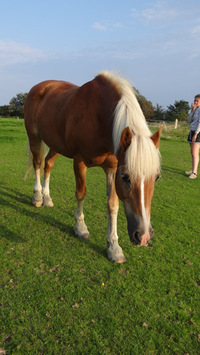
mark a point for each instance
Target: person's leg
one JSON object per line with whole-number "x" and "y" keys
{"x": 195, "y": 156}
{"x": 189, "y": 172}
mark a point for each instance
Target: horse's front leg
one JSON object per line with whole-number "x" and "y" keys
{"x": 49, "y": 163}
{"x": 114, "y": 251}
{"x": 80, "y": 228}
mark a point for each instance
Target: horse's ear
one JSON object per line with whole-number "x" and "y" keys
{"x": 126, "y": 138}
{"x": 156, "y": 137}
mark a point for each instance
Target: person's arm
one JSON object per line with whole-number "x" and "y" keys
{"x": 198, "y": 127}
{"x": 190, "y": 117}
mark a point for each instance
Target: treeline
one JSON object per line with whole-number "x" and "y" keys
{"x": 179, "y": 110}
{"x": 15, "y": 107}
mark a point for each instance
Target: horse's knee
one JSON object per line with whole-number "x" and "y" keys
{"x": 37, "y": 162}
{"x": 81, "y": 194}
{"x": 113, "y": 205}
{"x": 49, "y": 161}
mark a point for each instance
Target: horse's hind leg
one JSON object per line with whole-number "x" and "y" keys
{"x": 80, "y": 228}
{"x": 36, "y": 148}
{"x": 49, "y": 163}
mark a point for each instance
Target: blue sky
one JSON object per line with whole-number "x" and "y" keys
{"x": 154, "y": 44}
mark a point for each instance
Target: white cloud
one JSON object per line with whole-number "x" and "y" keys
{"x": 107, "y": 26}
{"x": 117, "y": 25}
{"x": 196, "y": 31}
{"x": 12, "y": 52}
{"x": 135, "y": 13}
{"x": 99, "y": 26}
{"x": 160, "y": 11}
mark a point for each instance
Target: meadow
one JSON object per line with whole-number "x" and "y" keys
{"x": 60, "y": 295}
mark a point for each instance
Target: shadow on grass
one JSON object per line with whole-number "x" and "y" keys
{"x": 173, "y": 170}
{"x": 94, "y": 247}
{"x": 18, "y": 199}
{"x": 6, "y": 233}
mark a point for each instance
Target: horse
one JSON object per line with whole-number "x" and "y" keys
{"x": 97, "y": 124}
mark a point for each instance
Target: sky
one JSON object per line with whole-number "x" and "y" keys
{"x": 155, "y": 45}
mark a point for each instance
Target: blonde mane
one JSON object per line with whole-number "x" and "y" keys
{"x": 142, "y": 159}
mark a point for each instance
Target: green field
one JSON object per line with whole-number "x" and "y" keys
{"x": 60, "y": 294}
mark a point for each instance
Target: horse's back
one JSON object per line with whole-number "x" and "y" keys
{"x": 73, "y": 120}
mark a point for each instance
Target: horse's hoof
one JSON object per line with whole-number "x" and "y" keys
{"x": 37, "y": 204}
{"x": 85, "y": 236}
{"x": 81, "y": 236}
{"x": 120, "y": 260}
{"x": 115, "y": 254}
{"x": 47, "y": 201}
{"x": 37, "y": 199}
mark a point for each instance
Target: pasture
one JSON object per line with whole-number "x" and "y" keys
{"x": 60, "y": 295}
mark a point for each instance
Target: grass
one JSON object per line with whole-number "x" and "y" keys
{"x": 60, "y": 295}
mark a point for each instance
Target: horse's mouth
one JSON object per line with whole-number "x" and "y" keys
{"x": 137, "y": 239}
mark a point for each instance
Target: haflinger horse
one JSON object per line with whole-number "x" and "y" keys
{"x": 97, "y": 124}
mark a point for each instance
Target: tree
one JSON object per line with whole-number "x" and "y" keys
{"x": 179, "y": 111}
{"x": 159, "y": 113}
{"x": 5, "y": 111}
{"x": 146, "y": 106}
{"x": 17, "y": 105}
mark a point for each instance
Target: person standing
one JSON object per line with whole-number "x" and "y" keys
{"x": 194, "y": 136}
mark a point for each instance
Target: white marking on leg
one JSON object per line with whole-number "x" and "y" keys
{"x": 115, "y": 252}
{"x": 45, "y": 186}
{"x": 37, "y": 198}
{"x": 112, "y": 226}
{"x": 37, "y": 184}
{"x": 79, "y": 211}
{"x": 47, "y": 201}
{"x": 80, "y": 228}
{"x": 112, "y": 210}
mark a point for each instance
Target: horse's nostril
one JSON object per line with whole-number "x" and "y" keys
{"x": 137, "y": 236}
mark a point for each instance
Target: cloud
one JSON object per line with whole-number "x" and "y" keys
{"x": 159, "y": 12}
{"x": 107, "y": 26}
{"x": 135, "y": 13}
{"x": 99, "y": 26}
{"x": 117, "y": 25}
{"x": 196, "y": 31}
{"x": 12, "y": 52}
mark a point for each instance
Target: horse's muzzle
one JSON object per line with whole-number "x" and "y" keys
{"x": 137, "y": 233}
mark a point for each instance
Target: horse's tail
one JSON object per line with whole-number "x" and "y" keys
{"x": 43, "y": 153}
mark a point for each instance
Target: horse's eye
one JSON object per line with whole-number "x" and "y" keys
{"x": 126, "y": 178}
{"x": 158, "y": 176}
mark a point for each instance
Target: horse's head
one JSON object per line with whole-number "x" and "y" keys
{"x": 138, "y": 169}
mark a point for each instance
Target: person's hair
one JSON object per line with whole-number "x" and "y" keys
{"x": 197, "y": 96}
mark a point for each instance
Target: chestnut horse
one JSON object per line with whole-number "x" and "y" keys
{"x": 97, "y": 124}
